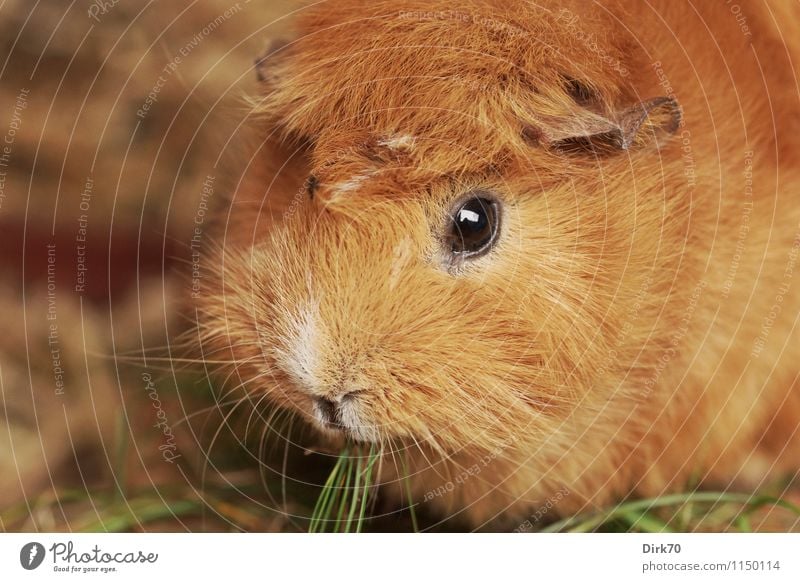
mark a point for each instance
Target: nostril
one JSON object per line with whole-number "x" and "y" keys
{"x": 332, "y": 411}
{"x": 326, "y": 409}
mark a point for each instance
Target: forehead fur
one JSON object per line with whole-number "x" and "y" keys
{"x": 463, "y": 81}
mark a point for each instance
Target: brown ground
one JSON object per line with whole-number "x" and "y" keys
{"x": 70, "y": 91}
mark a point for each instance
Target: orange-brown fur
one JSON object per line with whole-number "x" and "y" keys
{"x": 606, "y": 345}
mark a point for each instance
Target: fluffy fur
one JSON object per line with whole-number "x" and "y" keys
{"x": 619, "y": 337}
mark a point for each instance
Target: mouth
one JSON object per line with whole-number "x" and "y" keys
{"x": 361, "y": 434}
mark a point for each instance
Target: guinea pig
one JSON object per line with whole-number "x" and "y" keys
{"x": 547, "y": 250}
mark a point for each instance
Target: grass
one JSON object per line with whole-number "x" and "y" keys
{"x": 344, "y": 505}
{"x": 340, "y": 506}
{"x": 678, "y": 513}
{"x": 294, "y": 487}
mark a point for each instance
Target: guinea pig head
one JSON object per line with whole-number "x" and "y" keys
{"x": 382, "y": 308}
{"x": 455, "y": 275}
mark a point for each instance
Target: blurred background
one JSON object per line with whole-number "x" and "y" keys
{"x": 121, "y": 131}
{"x": 118, "y": 130}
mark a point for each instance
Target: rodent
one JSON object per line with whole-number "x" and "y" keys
{"x": 559, "y": 236}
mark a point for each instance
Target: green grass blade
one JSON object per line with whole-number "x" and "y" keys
{"x": 319, "y": 515}
{"x": 354, "y": 498}
{"x": 367, "y": 483}
{"x": 407, "y": 486}
{"x": 343, "y": 494}
{"x": 647, "y": 523}
{"x": 127, "y": 520}
{"x": 581, "y": 523}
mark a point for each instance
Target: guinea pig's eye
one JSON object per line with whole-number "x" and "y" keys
{"x": 474, "y": 224}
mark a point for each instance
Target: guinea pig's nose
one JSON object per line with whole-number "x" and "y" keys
{"x": 329, "y": 408}
{"x": 326, "y": 409}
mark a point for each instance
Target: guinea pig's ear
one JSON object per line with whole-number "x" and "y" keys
{"x": 585, "y": 129}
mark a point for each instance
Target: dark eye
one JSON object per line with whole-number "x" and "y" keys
{"x": 473, "y": 225}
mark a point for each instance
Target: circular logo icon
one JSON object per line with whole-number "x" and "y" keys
{"x": 31, "y": 555}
